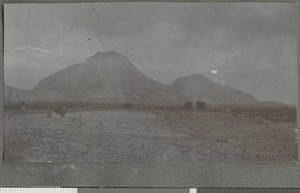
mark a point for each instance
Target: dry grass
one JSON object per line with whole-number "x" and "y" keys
{"x": 149, "y": 135}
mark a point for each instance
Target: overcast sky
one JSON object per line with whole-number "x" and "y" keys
{"x": 248, "y": 46}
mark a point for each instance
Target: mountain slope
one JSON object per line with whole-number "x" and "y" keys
{"x": 12, "y": 94}
{"x": 196, "y": 87}
{"x": 111, "y": 77}
{"x": 106, "y": 75}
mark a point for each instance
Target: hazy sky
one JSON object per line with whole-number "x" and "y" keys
{"x": 248, "y": 46}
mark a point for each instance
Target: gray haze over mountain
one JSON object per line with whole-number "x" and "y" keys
{"x": 111, "y": 77}
{"x": 248, "y": 46}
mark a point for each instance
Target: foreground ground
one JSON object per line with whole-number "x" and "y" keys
{"x": 133, "y": 135}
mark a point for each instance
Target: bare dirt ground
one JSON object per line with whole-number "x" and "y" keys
{"x": 133, "y": 135}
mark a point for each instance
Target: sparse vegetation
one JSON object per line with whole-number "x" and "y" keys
{"x": 287, "y": 113}
{"x": 49, "y": 114}
{"x": 188, "y": 105}
{"x": 213, "y": 129}
{"x": 61, "y": 112}
{"x": 200, "y": 105}
{"x": 127, "y": 105}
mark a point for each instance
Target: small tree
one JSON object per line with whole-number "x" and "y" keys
{"x": 60, "y": 112}
{"x": 127, "y": 105}
{"x": 200, "y": 105}
{"x": 49, "y": 114}
{"x": 188, "y": 105}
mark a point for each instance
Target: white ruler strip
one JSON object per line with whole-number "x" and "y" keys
{"x": 58, "y": 190}
{"x": 193, "y": 190}
{"x": 38, "y": 190}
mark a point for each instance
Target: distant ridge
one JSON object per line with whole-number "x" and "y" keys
{"x": 196, "y": 87}
{"x": 111, "y": 77}
{"x": 13, "y": 94}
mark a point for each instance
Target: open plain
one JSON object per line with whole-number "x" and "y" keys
{"x": 127, "y": 135}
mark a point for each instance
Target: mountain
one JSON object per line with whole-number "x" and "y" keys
{"x": 108, "y": 76}
{"x": 13, "y": 94}
{"x": 199, "y": 88}
{"x": 111, "y": 77}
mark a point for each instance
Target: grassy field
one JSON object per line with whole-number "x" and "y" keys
{"x": 148, "y": 135}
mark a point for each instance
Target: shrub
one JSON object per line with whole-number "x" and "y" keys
{"x": 60, "y": 111}
{"x": 200, "y": 105}
{"x": 63, "y": 113}
{"x": 188, "y": 105}
{"x": 127, "y": 105}
{"x": 49, "y": 114}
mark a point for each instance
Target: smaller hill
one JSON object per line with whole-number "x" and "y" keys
{"x": 196, "y": 87}
{"x": 13, "y": 94}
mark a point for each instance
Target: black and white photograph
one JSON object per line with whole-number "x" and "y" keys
{"x": 150, "y": 82}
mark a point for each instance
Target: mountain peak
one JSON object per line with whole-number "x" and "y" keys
{"x": 196, "y": 76}
{"x": 193, "y": 78}
{"x": 108, "y": 53}
{"x": 197, "y": 87}
{"x": 110, "y": 58}
{"x": 106, "y": 75}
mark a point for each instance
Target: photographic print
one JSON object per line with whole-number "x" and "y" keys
{"x": 150, "y": 82}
